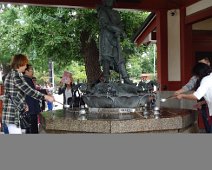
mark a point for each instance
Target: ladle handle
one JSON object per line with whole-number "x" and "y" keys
{"x": 59, "y": 102}
{"x": 172, "y": 96}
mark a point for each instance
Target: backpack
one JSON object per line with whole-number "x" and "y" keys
{"x": 76, "y": 99}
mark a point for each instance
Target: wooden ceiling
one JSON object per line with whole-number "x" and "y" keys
{"x": 148, "y": 5}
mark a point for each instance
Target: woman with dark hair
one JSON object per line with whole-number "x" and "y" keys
{"x": 15, "y": 90}
{"x": 33, "y": 104}
{"x": 66, "y": 88}
{"x": 192, "y": 82}
{"x": 203, "y": 72}
{"x": 201, "y": 105}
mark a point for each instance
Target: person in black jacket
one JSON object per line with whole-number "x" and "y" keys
{"x": 44, "y": 91}
{"x": 33, "y": 104}
{"x": 67, "y": 91}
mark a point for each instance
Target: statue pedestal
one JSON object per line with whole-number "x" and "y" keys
{"x": 115, "y": 95}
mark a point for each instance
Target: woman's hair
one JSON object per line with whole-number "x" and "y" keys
{"x": 208, "y": 59}
{"x": 18, "y": 60}
{"x": 201, "y": 70}
{"x": 201, "y": 58}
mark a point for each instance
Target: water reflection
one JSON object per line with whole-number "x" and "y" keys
{"x": 99, "y": 116}
{"x": 77, "y": 115}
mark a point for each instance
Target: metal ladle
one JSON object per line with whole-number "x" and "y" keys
{"x": 165, "y": 99}
{"x": 65, "y": 105}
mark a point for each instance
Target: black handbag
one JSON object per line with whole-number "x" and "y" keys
{"x": 24, "y": 120}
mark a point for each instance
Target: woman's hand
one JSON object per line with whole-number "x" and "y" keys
{"x": 178, "y": 92}
{"x": 180, "y": 96}
{"x": 199, "y": 104}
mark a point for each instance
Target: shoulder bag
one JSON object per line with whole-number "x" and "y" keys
{"x": 24, "y": 118}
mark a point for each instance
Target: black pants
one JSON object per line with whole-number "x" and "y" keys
{"x": 34, "y": 124}
{"x": 206, "y": 117}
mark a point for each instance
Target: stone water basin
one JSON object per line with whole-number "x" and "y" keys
{"x": 70, "y": 121}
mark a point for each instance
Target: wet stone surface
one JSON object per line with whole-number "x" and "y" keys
{"x": 120, "y": 116}
{"x": 74, "y": 114}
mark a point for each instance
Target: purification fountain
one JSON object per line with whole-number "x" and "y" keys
{"x": 117, "y": 107}
{"x": 141, "y": 115}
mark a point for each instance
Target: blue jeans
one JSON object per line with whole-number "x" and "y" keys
{"x": 50, "y": 105}
{"x": 5, "y": 128}
{"x": 205, "y": 117}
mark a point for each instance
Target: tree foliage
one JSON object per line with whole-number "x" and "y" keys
{"x": 45, "y": 33}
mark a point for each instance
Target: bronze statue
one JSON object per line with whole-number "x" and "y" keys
{"x": 110, "y": 33}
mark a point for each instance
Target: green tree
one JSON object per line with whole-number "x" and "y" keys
{"x": 66, "y": 36}
{"x": 141, "y": 62}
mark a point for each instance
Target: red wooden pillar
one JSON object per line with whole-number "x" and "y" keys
{"x": 162, "y": 48}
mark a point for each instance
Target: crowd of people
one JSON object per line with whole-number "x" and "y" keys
{"x": 19, "y": 94}
{"x": 23, "y": 94}
{"x": 201, "y": 84}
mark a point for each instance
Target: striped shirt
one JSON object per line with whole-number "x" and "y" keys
{"x": 190, "y": 85}
{"x": 15, "y": 90}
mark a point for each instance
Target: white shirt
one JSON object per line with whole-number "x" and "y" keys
{"x": 205, "y": 90}
{"x": 68, "y": 94}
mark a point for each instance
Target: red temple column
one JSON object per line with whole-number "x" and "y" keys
{"x": 162, "y": 49}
